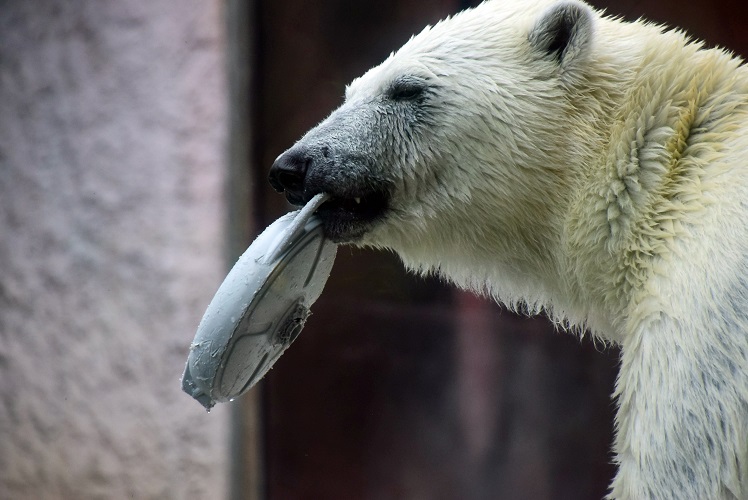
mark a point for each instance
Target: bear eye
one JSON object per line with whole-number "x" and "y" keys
{"x": 407, "y": 89}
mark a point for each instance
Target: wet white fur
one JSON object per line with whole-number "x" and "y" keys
{"x": 608, "y": 189}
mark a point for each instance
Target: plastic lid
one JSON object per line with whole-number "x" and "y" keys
{"x": 260, "y": 308}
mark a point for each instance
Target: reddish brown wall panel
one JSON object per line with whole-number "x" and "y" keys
{"x": 405, "y": 388}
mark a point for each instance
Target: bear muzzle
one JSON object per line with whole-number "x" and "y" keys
{"x": 356, "y": 200}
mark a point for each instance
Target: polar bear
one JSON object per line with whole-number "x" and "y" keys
{"x": 562, "y": 161}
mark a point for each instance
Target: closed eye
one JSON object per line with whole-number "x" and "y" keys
{"x": 407, "y": 89}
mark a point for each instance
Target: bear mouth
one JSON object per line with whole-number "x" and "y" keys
{"x": 346, "y": 218}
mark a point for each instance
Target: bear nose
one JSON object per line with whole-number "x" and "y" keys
{"x": 289, "y": 171}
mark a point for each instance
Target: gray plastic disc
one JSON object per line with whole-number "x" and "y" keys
{"x": 260, "y": 308}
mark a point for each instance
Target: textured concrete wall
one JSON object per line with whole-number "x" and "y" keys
{"x": 112, "y": 131}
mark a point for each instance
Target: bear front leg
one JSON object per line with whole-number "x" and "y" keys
{"x": 681, "y": 426}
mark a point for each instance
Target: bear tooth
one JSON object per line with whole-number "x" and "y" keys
{"x": 357, "y": 200}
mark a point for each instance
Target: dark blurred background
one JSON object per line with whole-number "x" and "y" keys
{"x": 402, "y": 387}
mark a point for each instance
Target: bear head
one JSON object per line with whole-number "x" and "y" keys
{"x": 452, "y": 140}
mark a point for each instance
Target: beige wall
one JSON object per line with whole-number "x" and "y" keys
{"x": 112, "y": 138}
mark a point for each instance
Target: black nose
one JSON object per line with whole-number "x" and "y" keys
{"x": 288, "y": 173}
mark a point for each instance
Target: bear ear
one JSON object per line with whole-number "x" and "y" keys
{"x": 564, "y": 31}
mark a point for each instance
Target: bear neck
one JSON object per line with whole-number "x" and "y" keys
{"x": 599, "y": 226}
{"x": 639, "y": 197}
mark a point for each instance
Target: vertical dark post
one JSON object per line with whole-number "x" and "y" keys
{"x": 247, "y": 471}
